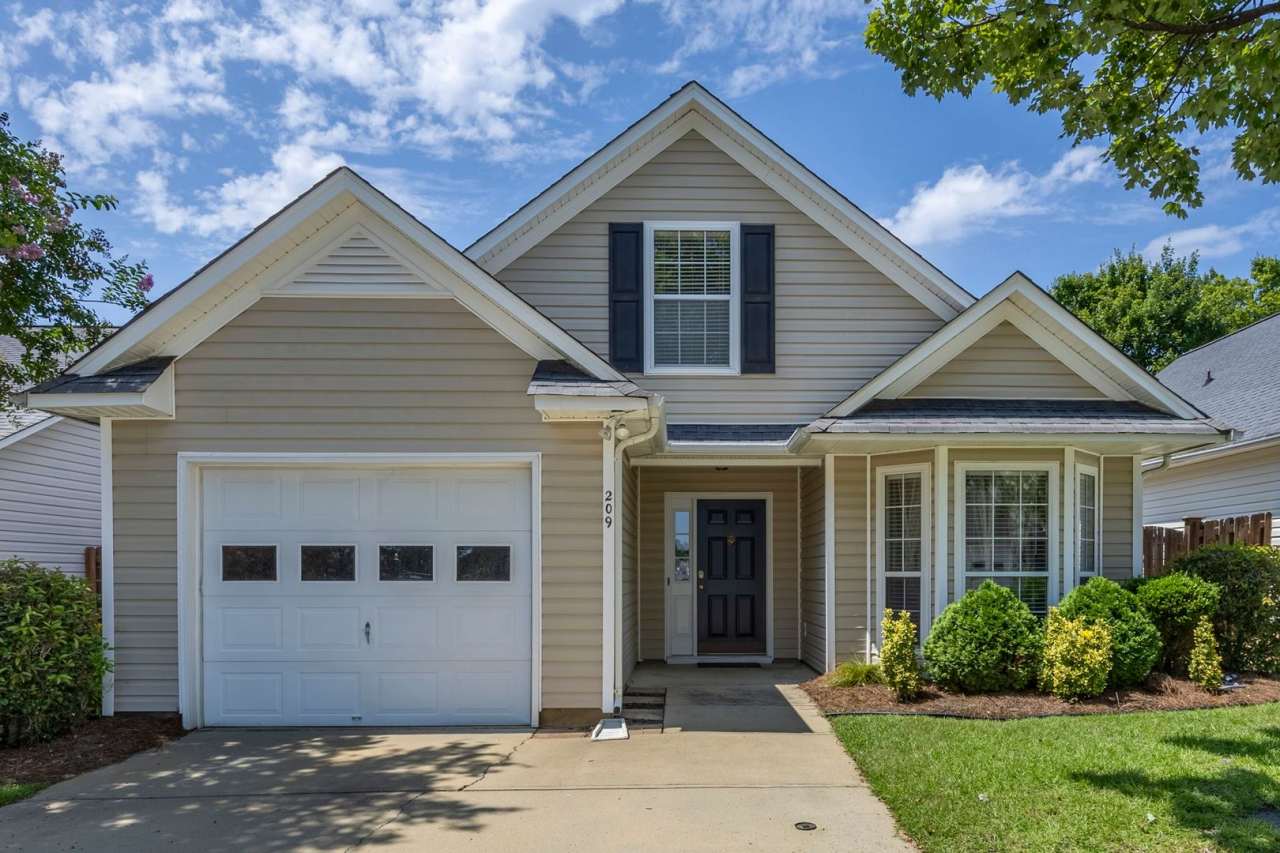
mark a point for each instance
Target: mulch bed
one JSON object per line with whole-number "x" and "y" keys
{"x": 89, "y": 746}
{"x": 1161, "y": 693}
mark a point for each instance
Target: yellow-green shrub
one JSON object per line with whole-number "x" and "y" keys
{"x": 1206, "y": 663}
{"x": 1077, "y": 657}
{"x": 898, "y": 661}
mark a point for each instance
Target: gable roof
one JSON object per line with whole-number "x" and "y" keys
{"x": 1244, "y": 391}
{"x": 694, "y": 108}
{"x": 340, "y": 205}
{"x": 1019, "y": 301}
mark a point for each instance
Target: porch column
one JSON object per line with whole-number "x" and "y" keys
{"x": 941, "y": 481}
{"x": 829, "y": 559}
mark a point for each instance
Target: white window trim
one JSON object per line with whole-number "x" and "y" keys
{"x": 1077, "y": 542}
{"x": 735, "y": 289}
{"x": 1055, "y": 488}
{"x": 926, "y": 550}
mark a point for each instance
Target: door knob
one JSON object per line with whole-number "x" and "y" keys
{"x": 367, "y": 630}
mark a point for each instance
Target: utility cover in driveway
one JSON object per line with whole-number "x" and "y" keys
{"x": 350, "y": 596}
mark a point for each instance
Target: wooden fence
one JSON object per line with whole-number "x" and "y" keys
{"x": 93, "y": 567}
{"x": 1160, "y": 545}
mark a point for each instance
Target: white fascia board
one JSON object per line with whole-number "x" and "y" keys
{"x": 554, "y": 407}
{"x": 949, "y": 341}
{"x": 28, "y": 430}
{"x": 425, "y": 252}
{"x": 693, "y": 108}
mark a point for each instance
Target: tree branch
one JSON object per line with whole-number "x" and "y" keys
{"x": 1206, "y": 28}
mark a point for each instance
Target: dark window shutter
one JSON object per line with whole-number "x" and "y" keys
{"x": 626, "y": 296}
{"x": 757, "y": 299}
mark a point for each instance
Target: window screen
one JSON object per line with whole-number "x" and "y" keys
{"x": 692, "y": 294}
{"x": 903, "y": 543}
{"x": 1087, "y": 519}
{"x": 1007, "y": 533}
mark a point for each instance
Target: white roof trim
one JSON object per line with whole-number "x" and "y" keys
{"x": 28, "y": 430}
{"x": 156, "y": 402}
{"x": 425, "y": 252}
{"x": 1064, "y": 343}
{"x": 1190, "y": 457}
{"x": 694, "y": 108}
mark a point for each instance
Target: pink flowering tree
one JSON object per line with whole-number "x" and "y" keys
{"x": 50, "y": 265}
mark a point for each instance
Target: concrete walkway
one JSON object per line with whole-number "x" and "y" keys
{"x": 742, "y": 760}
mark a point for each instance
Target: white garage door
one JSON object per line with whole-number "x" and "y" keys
{"x": 366, "y": 597}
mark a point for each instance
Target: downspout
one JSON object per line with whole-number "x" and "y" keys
{"x": 614, "y": 445}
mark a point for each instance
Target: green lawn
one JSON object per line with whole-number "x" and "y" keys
{"x": 11, "y": 793}
{"x": 1178, "y": 780}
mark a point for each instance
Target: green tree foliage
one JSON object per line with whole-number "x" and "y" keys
{"x": 1153, "y": 311}
{"x": 1248, "y": 617}
{"x": 49, "y": 264}
{"x": 1144, "y": 75}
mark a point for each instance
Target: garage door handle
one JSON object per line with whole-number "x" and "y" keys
{"x": 366, "y": 632}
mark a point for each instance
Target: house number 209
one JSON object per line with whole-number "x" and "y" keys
{"x": 608, "y": 508}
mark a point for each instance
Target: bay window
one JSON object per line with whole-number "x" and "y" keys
{"x": 1007, "y": 529}
{"x": 1088, "y": 559}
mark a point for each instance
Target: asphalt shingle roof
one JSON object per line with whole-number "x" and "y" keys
{"x": 122, "y": 380}
{"x": 1235, "y": 379}
{"x": 731, "y": 432}
{"x": 1026, "y": 416}
{"x": 10, "y": 422}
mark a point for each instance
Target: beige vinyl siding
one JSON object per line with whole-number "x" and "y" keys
{"x": 655, "y": 483}
{"x": 839, "y": 320}
{"x": 1237, "y": 484}
{"x": 630, "y": 575}
{"x": 1005, "y": 363}
{"x": 851, "y": 557}
{"x": 50, "y": 502}
{"x": 813, "y": 563}
{"x": 342, "y": 375}
{"x": 1117, "y": 517}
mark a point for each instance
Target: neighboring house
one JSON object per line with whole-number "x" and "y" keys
{"x": 688, "y": 404}
{"x": 50, "y": 502}
{"x": 1236, "y": 379}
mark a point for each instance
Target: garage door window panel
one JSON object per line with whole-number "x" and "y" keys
{"x": 328, "y": 562}
{"x": 249, "y": 563}
{"x": 485, "y": 563}
{"x": 406, "y": 563}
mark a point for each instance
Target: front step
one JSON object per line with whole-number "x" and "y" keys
{"x": 644, "y": 707}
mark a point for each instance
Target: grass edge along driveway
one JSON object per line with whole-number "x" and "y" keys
{"x": 1181, "y": 780}
{"x": 11, "y": 792}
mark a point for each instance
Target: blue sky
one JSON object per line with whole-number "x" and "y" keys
{"x": 206, "y": 116}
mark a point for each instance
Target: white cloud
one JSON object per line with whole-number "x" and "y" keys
{"x": 772, "y": 39}
{"x": 241, "y": 202}
{"x": 971, "y": 199}
{"x": 1220, "y": 241}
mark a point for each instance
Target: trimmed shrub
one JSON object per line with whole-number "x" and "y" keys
{"x": 985, "y": 642}
{"x": 52, "y": 655}
{"x": 855, "y": 674}
{"x": 1248, "y": 618}
{"x": 1135, "y": 642}
{"x": 1077, "y": 657}
{"x": 1206, "y": 664}
{"x": 1176, "y": 603}
{"x": 898, "y": 655}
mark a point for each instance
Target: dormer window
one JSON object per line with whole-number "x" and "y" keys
{"x": 692, "y": 289}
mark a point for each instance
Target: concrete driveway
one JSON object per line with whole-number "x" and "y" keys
{"x": 742, "y": 759}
